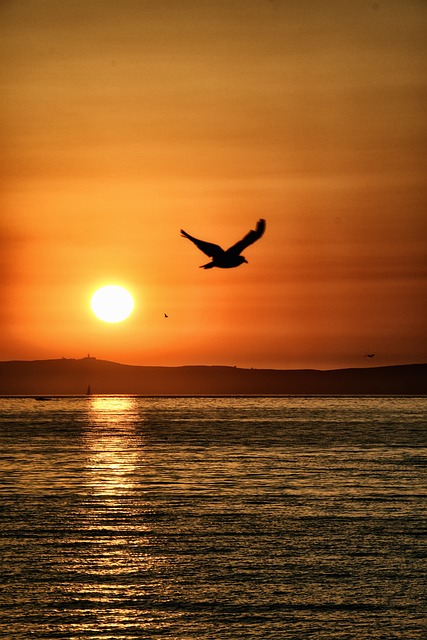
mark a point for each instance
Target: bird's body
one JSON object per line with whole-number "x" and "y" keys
{"x": 231, "y": 257}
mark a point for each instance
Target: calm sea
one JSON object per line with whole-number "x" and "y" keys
{"x": 213, "y": 518}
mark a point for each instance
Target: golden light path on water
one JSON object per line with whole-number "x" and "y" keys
{"x": 121, "y": 557}
{"x": 111, "y": 443}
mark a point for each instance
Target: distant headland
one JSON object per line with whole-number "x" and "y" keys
{"x": 74, "y": 376}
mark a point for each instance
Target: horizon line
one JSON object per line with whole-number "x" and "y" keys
{"x": 226, "y": 366}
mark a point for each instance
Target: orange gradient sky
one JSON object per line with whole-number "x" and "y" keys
{"x": 125, "y": 120}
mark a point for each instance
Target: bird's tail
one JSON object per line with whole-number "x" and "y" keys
{"x": 208, "y": 265}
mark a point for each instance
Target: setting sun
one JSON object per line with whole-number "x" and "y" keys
{"x": 112, "y": 303}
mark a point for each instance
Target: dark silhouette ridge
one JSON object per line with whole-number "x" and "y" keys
{"x": 70, "y": 377}
{"x": 231, "y": 257}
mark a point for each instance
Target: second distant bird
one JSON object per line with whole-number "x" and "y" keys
{"x": 231, "y": 257}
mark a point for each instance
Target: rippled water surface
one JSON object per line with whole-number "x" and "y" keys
{"x": 179, "y": 518}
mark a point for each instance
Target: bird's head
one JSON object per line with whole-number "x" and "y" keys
{"x": 243, "y": 259}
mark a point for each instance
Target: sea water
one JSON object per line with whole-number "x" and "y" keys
{"x": 213, "y": 518}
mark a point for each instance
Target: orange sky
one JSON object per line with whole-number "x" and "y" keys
{"x": 125, "y": 120}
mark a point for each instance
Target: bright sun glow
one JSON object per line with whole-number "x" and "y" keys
{"x": 112, "y": 303}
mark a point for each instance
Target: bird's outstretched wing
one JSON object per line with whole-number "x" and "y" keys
{"x": 249, "y": 238}
{"x": 211, "y": 250}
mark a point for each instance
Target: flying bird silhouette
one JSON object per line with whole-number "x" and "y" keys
{"x": 370, "y": 355}
{"x": 231, "y": 257}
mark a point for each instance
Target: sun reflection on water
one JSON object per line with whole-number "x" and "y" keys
{"x": 117, "y": 529}
{"x": 112, "y": 409}
{"x": 114, "y": 447}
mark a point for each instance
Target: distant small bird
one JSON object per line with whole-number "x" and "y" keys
{"x": 231, "y": 257}
{"x": 166, "y": 315}
{"x": 370, "y": 355}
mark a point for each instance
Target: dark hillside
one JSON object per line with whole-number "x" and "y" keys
{"x": 67, "y": 376}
